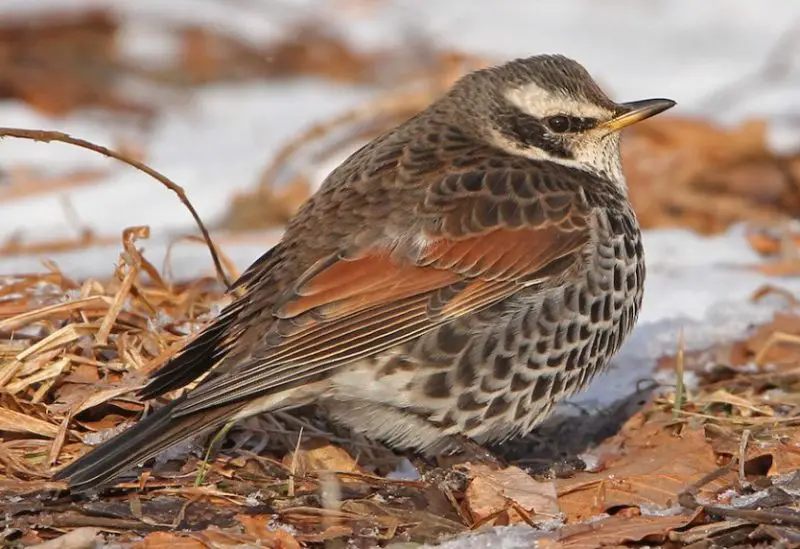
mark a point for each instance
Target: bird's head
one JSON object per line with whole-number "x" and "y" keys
{"x": 549, "y": 107}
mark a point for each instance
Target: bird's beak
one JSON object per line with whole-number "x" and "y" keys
{"x": 636, "y": 111}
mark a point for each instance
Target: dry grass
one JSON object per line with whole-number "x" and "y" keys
{"x": 72, "y": 353}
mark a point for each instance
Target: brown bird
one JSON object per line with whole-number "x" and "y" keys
{"x": 455, "y": 277}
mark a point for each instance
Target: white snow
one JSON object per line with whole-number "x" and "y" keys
{"x": 404, "y": 470}
{"x": 216, "y": 141}
{"x": 651, "y": 510}
{"x": 749, "y": 500}
{"x": 98, "y": 437}
{"x": 503, "y": 537}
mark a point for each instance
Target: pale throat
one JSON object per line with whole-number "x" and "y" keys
{"x": 602, "y": 158}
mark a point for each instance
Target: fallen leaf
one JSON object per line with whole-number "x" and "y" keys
{"x": 257, "y": 527}
{"x": 745, "y": 406}
{"x": 490, "y": 491}
{"x": 694, "y": 173}
{"x": 318, "y": 455}
{"x": 219, "y": 539}
{"x": 762, "y": 344}
{"x": 615, "y": 531}
{"x": 423, "y": 524}
{"x": 776, "y": 457}
{"x": 330, "y": 533}
{"x": 80, "y": 538}
{"x": 656, "y": 467}
{"x": 168, "y": 540}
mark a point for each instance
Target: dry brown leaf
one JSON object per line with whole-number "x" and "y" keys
{"x": 23, "y": 488}
{"x": 428, "y": 523}
{"x": 786, "y": 323}
{"x": 762, "y": 243}
{"x": 52, "y": 370}
{"x": 618, "y": 531}
{"x": 777, "y": 457}
{"x": 693, "y": 173}
{"x": 256, "y": 526}
{"x": 267, "y": 207}
{"x": 222, "y": 540}
{"x": 104, "y": 395}
{"x": 23, "y": 184}
{"x": 57, "y": 62}
{"x": 490, "y": 491}
{"x": 332, "y": 532}
{"x": 80, "y": 538}
{"x": 657, "y": 466}
{"x": 745, "y": 406}
{"x": 168, "y": 540}
{"x": 780, "y": 268}
{"x": 316, "y": 455}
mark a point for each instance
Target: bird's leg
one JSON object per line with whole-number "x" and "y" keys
{"x": 213, "y": 447}
{"x": 459, "y": 450}
{"x": 467, "y": 450}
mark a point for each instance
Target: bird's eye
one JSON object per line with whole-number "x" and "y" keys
{"x": 558, "y": 124}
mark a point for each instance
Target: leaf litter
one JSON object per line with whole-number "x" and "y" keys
{"x": 715, "y": 466}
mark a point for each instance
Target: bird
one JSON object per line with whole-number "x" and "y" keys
{"x": 449, "y": 282}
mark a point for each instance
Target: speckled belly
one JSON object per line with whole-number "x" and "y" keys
{"x": 498, "y": 373}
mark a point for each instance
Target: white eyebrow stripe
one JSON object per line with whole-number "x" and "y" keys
{"x": 539, "y": 102}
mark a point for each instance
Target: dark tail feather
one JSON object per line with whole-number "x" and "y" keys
{"x": 194, "y": 360}
{"x": 163, "y": 428}
{"x": 146, "y": 439}
{"x": 213, "y": 343}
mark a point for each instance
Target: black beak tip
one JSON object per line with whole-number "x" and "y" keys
{"x": 667, "y": 104}
{"x": 649, "y": 106}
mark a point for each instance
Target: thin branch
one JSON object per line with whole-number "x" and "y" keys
{"x": 49, "y": 136}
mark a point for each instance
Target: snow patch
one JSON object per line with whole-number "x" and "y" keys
{"x": 405, "y": 470}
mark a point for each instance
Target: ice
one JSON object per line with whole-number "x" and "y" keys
{"x": 651, "y": 510}
{"x": 504, "y": 537}
{"x": 255, "y": 499}
{"x": 405, "y": 470}
{"x": 591, "y": 462}
{"x": 668, "y": 379}
{"x": 749, "y": 501}
{"x": 99, "y": 437}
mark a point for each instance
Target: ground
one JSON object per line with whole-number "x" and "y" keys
{"x": 690, "y": 440}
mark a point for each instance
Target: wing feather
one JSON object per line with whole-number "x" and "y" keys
{"x": 486, "y": 234}
{"x": 339, "y": 324}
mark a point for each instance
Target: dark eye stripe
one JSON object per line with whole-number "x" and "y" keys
{"x": 525, "y": 129}
{"x": 563, "y": 123}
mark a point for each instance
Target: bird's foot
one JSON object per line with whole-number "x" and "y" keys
{"x": 465, "y": 450}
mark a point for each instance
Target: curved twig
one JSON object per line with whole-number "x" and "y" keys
{"x": 46, "y": 136}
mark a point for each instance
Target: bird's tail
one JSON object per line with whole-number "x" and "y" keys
{"x": 145, "y": 440}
